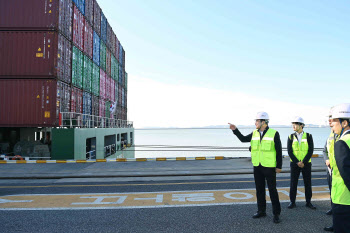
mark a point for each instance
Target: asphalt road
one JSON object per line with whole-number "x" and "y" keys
{"x": 188, "y": 204}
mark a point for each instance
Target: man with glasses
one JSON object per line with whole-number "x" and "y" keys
{"x": 266, "y": 152}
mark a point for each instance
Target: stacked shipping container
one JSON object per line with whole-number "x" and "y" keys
{"x": 66, "y": 57}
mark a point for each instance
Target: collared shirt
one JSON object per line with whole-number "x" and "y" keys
{"x": 299, "y": 136}
{"x": 344, "y": 133}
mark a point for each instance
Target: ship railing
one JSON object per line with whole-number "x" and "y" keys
{"x": 80, "y": 120}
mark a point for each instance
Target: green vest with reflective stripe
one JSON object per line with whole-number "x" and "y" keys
{"x": 263, "y": 152}
{"x": 330, "y": 149}
{"x": 340, "y": 193}
{"x": 300, "y": 150}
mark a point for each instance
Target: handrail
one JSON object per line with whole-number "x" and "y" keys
{"x": 80, "y": 120}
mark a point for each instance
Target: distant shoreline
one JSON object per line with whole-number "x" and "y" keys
{"x": 239, "y": 126}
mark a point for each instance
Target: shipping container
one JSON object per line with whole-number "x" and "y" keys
{"x": 108, "y": 88}
{"x": 89, "y": 11}
{"x": 32, "y": 102}
{"x": 109, "y": 36}
{"x": 95, "y": 88}
{"x": 102, "y": 84}
{"x": 123, "y": 54}
{"x": 37, "y": 15}
{"x": 120, "y": 54}
{"x": 126, "y": 81}
{"x": 94, "y": 105}
{"x": 96, "y": 49}
{"x": 80, "y": 4}
{"x": 87, "y": 74}
{"x": 108, "y": 113}
{"x": 113, "y": 67}
{"x": 97, "y": 18}
{"x": 116, "y": 91}
{"x": 102, "y": 55}
{"x": 87, "y": 103}
{"x": 120, "y": 98}
{"x": 113, "y": 44}
{"x": 76, "y": 103}
{"x": 117, "y": 45}
{"x": 112, "y": 90}
{"x": 103, "y": 28}
{"x": 88, "y": 39}
{"x": 34, "y": 54}
{"x": 77, "y": 67}
{"x": 102, "y": 107}
{"x": 78, "y": 28}
{"x": 108, "y": 61}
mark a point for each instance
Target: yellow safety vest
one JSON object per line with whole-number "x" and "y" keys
{"x": 300, "y": 150}
{"x": 263, "y": 152}
{"x": 340, "y": 193}
{"x": 330, "y": 149}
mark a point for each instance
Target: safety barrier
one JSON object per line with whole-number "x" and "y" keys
{"x": 127, "y": 160}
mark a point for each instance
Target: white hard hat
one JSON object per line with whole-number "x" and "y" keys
{"x": 341, "y": 111}
{"x": 298, "y": 119}
{"x": 262, "y": 116}
{"x": 330, "y": 113}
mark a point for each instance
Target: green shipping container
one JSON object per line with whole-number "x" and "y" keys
{"x": 87, "y": 74}
{"x": 113, "y": 69}
{"x": 77, "y": 67}
{"x": 103, "y": 56}
{"x": 95, "y": 79}
{"x": 108, "y": 113}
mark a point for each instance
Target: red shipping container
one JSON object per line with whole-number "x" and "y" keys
{"x": 113, "y": 44}
{"x": 108, "y": 61}
{"x": 102, "y": 84}
{"x": 32, "y": 102}
{"x": 37, "y": 15}
{"x": 97, "y": 18}
{"x": 88, "y": 39}
{"x": 94, "y": 104}
{"x": 109, "y": 36}
{"x": 76, "y": 102}
{"x": 112, "y": 90}
{"x": 78, "y": 28}
{"x": 35, "y": 54}
{"x": 120, "y": 93}
{"x": 102, "y": 107}
{"x": 108, "y": 87}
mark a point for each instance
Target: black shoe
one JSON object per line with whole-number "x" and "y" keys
{"x": 329, "y": 212}
{"x": 276, "y": 218}
{"x": 329, "y": 228}
{"x": 292, "y": 205}
{"x": 309, "y": 205}
{"x": 259, "y": 214}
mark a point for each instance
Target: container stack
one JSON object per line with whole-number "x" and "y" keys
{"x": 58, "y": 56}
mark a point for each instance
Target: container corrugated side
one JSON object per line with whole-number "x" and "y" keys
{"x": 102, "y": 84}
{"x": 87, "y": 74}
{"x": 31, "y": 102}
{"x": 95, "y": 83}
{"x": 88, "y": 39}
{"x": 34, "y": 55}
{"x": 77, "y": 67}
{"x": 97, "y": 18}
{"x": 102, "y": 55}
{"x": 78, "y": 28}
{"x": 96, "y": 49}
{"x": 36, "y": 15}
{"x": 89, "y": 11}
{"x": 103, "y": 27}
{"x": 76, "y": 103}
{"x": 108, "y": 61}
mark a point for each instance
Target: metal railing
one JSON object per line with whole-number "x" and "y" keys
{"x": 80, "y": 120}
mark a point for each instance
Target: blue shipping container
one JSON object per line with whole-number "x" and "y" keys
{"x": 120, "y": 54}
{"x": 81, "y": 5}
{"x": 103, "y": 27}
{"x": 96, "y": 49}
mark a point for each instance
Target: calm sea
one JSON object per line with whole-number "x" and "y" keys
{"x": 152, "y": 143}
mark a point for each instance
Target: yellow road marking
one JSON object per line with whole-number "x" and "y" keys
{"x": 148, "y": 199}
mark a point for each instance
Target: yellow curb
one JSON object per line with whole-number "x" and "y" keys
{"x": 101, "y": 160}
{"x": 160, "y": 159}
{"x": 180, "y": 158}
{"x": 201, "y": 158}
{"x": 141, "y": 160}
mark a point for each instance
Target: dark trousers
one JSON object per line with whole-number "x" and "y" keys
{"x": 341, "y": 218}
{"x": 329, "y": 179}
{"x": 294, "y": 177}
{"x": 269, "y": 174}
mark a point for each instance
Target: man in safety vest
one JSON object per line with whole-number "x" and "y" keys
{"x": 300, "y": 148}
{"x": 266, "y": 152}
{"x": 328, "y": 155}
{"x": 340, "y": 164}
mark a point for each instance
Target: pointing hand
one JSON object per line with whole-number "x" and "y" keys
{"x": 232, "y": 127}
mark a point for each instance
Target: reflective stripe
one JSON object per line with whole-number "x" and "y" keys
{"x": 268, "y": 139}
{"x": 255, "y": 138}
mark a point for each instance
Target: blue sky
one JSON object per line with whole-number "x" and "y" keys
{"x": 247, "y": 56}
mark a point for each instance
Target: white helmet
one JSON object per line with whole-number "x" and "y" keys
{"x": 262, "y": 116}
{"x": 298, "y": 119}
{"x": 341, "y": 111}
{"x": 330, "y": 113}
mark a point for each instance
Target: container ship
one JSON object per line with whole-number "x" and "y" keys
{"x": 63, "y": 84}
